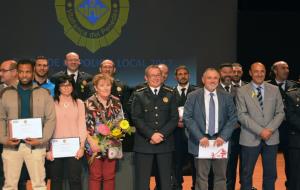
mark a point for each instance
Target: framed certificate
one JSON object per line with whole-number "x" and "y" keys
{"x": 65, "y": 147}
{"x": 26, "y": 128}
{"x": 213, "y": 152}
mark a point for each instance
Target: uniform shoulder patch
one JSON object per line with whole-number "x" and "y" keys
{"x": 141, "y": 89}
{"x": 291, "y": 89}
{"x": 168, "y": 88}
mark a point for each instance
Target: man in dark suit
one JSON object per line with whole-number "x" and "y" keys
{"x": 279, "y": 77}
{"x": 292, "y": 103}
{"x": 209, "y": 114}
{"x": 181, "y": 154}
{"x": 72, "y": 61}
{"x": 237, "y": 75}
{"x": 260, "y": 112}
{"x": 155, "y": 115}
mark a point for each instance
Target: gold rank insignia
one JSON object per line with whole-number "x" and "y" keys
{"x": 165, "y": 99}
{"x": 119, "y": 89}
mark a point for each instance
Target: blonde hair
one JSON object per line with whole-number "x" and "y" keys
{"x": 101, "y": 76}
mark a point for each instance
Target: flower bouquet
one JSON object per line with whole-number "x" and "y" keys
{"x": 109, "y": 136}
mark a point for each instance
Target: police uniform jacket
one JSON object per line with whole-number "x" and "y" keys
{"x": 293, "y": 117}
{"x": 154, "y": 113}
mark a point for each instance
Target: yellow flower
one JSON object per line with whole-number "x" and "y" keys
{"x": 116, "y": 132}
{"x": 253, "y": 94}
{"x": 124, "y": 124}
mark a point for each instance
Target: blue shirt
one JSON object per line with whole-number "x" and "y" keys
{"x": 47, "y": 85}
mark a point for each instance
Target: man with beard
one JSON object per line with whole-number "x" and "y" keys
{"x": 237, "y": 75}
{"x": 279, "y": 77}
{"x": 72, "y": 61}
{"x": 20, "y": 101}
{"x": 41, "y": 69}
{"x": 181, "y": 154}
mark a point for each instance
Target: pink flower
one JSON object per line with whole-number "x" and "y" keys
{"x": 103, "y": 129}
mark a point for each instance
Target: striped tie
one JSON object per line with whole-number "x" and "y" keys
{"x": 260, "y": 98}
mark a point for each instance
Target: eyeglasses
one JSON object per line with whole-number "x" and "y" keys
{"x": 5, "y": 70}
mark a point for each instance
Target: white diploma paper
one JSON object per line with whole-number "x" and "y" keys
{"x": 26, "y": 128}
{"x": 66, "y": 147}
{"x": 213, "y": 152}
{"x": 180, "y": 111}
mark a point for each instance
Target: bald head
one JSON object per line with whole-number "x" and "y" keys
{"x": 107, "y": 67}
{"x": 165, "y": 70}
{"x": 72, "y": 61}
{"x": 257, "y": 72}
{"x": 281, "y": 70}
{"x": 8, "y": 72}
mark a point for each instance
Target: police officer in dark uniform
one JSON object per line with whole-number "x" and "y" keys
{"x": 293, "y": 118}
{"x": 155, "y": 116}
{"x": 81, "y": 78}
{"x": 279, "y": 75}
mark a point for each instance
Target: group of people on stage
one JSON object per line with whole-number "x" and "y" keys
{"x": 171, "y": 123}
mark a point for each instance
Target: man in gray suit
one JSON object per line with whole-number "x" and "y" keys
{"x": 260, "y": 112}
{"x": 209, "y": 114}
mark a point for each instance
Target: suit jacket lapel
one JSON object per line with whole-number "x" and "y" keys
{"x": 201, "y": 103}
{"x": 220, "y": 103}
{"x": 252, "y": 94}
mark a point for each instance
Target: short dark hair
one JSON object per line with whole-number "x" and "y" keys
{"x": 61, "y": 80}
{"x": 26, "y": 62}
{"x": 181, "y": 67}
{"x": 225, "y": 65}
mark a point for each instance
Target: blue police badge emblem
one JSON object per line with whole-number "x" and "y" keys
{"x": 92, "y": 24}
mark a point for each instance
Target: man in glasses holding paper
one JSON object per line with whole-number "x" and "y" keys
{"x": 21, "y": 106}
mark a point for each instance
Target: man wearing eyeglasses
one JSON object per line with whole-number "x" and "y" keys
{"x": 8, "y": 75}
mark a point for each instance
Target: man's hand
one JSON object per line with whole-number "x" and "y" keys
{"x": 266, "y": 134}
{"x": 49, "y": 156}
{"x": 32, "y": 141}
{"x": 12, "y": 142}
{"x": 219, "y": 142}
{"x": 79, "y": 153}
{"x": 157, "y": 138}
{"x": 204, "y": 142}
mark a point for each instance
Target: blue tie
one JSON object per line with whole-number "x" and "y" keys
{"x": 211, "y": 120}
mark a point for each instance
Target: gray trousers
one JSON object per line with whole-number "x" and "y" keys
{"x": 203, "y": 167}
{"x": 125, "y": 172}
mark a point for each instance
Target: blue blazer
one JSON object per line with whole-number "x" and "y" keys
{"x": 194, "y": 117}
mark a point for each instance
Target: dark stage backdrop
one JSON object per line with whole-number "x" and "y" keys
{"x": 134, "y": 33}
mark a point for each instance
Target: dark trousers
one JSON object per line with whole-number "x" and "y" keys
{"x": 249, "y": 155}
{"x": 294, "y": 168}
{"x": 235, "y": 150}
{"x": 181, "y": 157}
{"x": 143, "y": 169}
{"x": 24, "y": 176}
{"x": 56, "y": 173}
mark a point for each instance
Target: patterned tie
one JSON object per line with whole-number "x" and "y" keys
{"x": 211, "y": 120}
{"x": 260, "y": 98}
{"x": 227, "y": 88}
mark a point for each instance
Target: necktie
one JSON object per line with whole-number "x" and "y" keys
{"x": 182, "y": 97}
{"x": 211, "y": 120}
{"x": 236, "y": 85}
{"x": 155, "y": 91}
{"x": 73, "y": 76}
{"x": 227, "y": 88}
{"x": 281, "y": 86}
{"x": 259, "y": 97}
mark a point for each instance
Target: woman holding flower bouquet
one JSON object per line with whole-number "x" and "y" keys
{"x": 70, "y": 122}
{"x": 106, "y": 128}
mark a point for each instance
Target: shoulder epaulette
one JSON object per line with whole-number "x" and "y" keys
{"x": 291, "y": 89}
{"x": 141, "y": 89}
{"x": 168, "y": 88}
